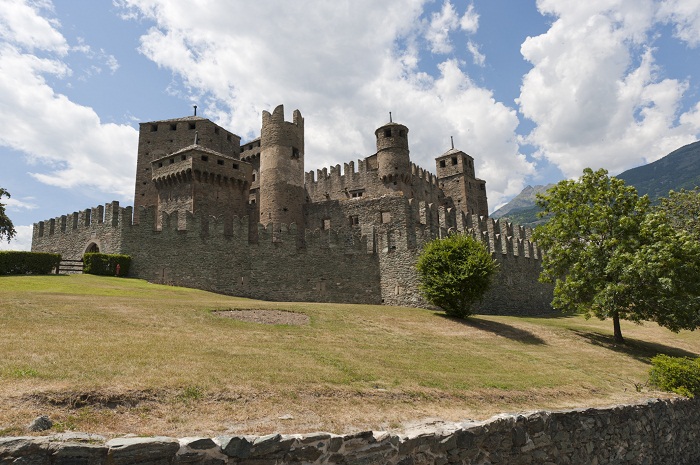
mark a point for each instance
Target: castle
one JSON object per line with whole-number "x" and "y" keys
{"x": 245, "y": 219}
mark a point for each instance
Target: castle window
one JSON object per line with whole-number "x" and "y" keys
{"x": 172, "y": 160}
{"x": 219, "y": 162}
{"x": 482, "y": 187}
{"x": 154, "y": 127}
{"x": 228, "y": 137}
{"x": 354, "y": 220}
{"x": 192, "y": 125}
{"x": 250, "y": 147}
{"x": 255, "y": 176}
{"x": 386, "y": 217}
{"x": 235, "y": 166}
{"x": 387, "y": 133}
{"x": 173, "y": 126}
{"x": 326, "y": 224}
{"x": 355, "y": 194}
{"x": 402, "y": 133}
{"x": 160, "y": 164}
{"x": 454, "y": 160}
{"x": 183, "y": 157}
{"x": 216, "y": 130}
{"x": 442, "y": 163}
{"x": 205, "y": 158}
{"x": 295, "y": 153}
{"x": 251, "y": 201}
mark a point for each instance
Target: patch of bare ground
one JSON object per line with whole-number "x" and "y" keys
{"x": 263, "y": 316}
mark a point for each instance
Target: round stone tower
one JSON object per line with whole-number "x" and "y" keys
{"x": 282, "y": 192}
{"x": 392, "y": 152}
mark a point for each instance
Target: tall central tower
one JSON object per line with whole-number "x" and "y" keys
{"x": 282, "y": 193}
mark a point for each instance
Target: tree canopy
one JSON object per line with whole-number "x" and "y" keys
{"x": 611, "y": 255}
{"x": 7, "y": 229}
{"x": 683, "y": 210}
{"x": 455, "y": 273}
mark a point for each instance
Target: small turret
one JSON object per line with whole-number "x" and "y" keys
{"x": 393, "y": 159}
{"x": 282, "y": 193}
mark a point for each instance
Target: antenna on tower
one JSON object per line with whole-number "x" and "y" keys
{"x": 452, "y": 141}
{"x": 390, "y": 120}
{"x": 196, "y": 136}
{"x": 195, "y": 110}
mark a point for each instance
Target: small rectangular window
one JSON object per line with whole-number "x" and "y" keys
{"x": 172, "y": 160}
{"x": 205, "y": 158}
{"x": 442, "y": 163}
{"x": 192, "y": 125}
{"x": 216, "y": 130}
{"x": 235, "y": 166}
{"x": 183, "y": 157}
{"x": 160, "y": 164}
{"x": 254, "y": 177}
{"x": 295, "y": 152}
{"x": 219, "y": 162}
{"x": 354, "y": 220}
{"x": 387, "y": 133}
{"x": 173, "y": 126}
{"x": 454, "y": 160}
{"x": 228, "y": 137}
{"x": 154, "y": 127}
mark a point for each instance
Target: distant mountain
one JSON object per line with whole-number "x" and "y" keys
{"x": 678, "y": 170}
{"x": 522, "y": 209}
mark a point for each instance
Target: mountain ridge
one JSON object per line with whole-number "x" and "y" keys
{"x": 678, "y": 170}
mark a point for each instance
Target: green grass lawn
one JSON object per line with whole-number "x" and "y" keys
{"x": 116, "y": 355}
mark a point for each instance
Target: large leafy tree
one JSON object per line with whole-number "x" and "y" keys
{"x": 455, "y": 272}
{"x": 7, "y": 229}
{"x": 611, "y": 256}
{"x": 683, "y": 209}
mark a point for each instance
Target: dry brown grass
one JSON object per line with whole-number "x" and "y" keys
{"x": 117, "y": 356}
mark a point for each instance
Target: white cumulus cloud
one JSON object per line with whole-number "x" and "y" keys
{"x": 595, "y": 92}
{"x": 66, "y": 143}
{"x": 345, "y": 67}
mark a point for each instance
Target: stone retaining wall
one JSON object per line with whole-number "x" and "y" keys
{"x": 659, "y": 432}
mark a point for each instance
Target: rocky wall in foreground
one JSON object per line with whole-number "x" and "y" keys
{"x": 657, "y": 432}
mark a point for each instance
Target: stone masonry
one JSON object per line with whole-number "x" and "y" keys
{"x": 245, "y": 219}
{"x": 653, "y": 433}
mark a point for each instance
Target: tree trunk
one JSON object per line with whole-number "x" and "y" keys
{"x": 617, "y": 330}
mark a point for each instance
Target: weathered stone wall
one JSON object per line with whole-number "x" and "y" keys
{"x": 71, "y": 235}
{"x": 367, "y": 254}
{"x": 659, "y": 432}
{"x": 215, "y": 255}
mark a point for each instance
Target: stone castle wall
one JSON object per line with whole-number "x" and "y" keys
{"x": 366, "y": 255}
{"x": 654, "y": 433}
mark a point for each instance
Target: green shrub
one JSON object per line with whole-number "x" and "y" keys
{"x": 455, "y": 273}
{"x": 18, "y": 262}
{"x": 676, "y": 374}
{"x": 106, "y": 264}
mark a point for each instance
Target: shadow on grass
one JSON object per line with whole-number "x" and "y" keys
{"x": 642, "y": 351}
{"x": 499, "y": 329}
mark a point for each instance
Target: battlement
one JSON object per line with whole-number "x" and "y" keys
{"x": 109, "y": 214}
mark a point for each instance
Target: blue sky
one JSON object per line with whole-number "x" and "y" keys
{"x": 535, "y": 91}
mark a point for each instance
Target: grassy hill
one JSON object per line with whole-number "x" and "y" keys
{"x": 112, "y": 356}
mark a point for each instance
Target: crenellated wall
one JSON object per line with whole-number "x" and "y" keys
{"x": 657, "y": 432}
{"x": 73, "y": 234}
{"x": 352, "y": 251}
